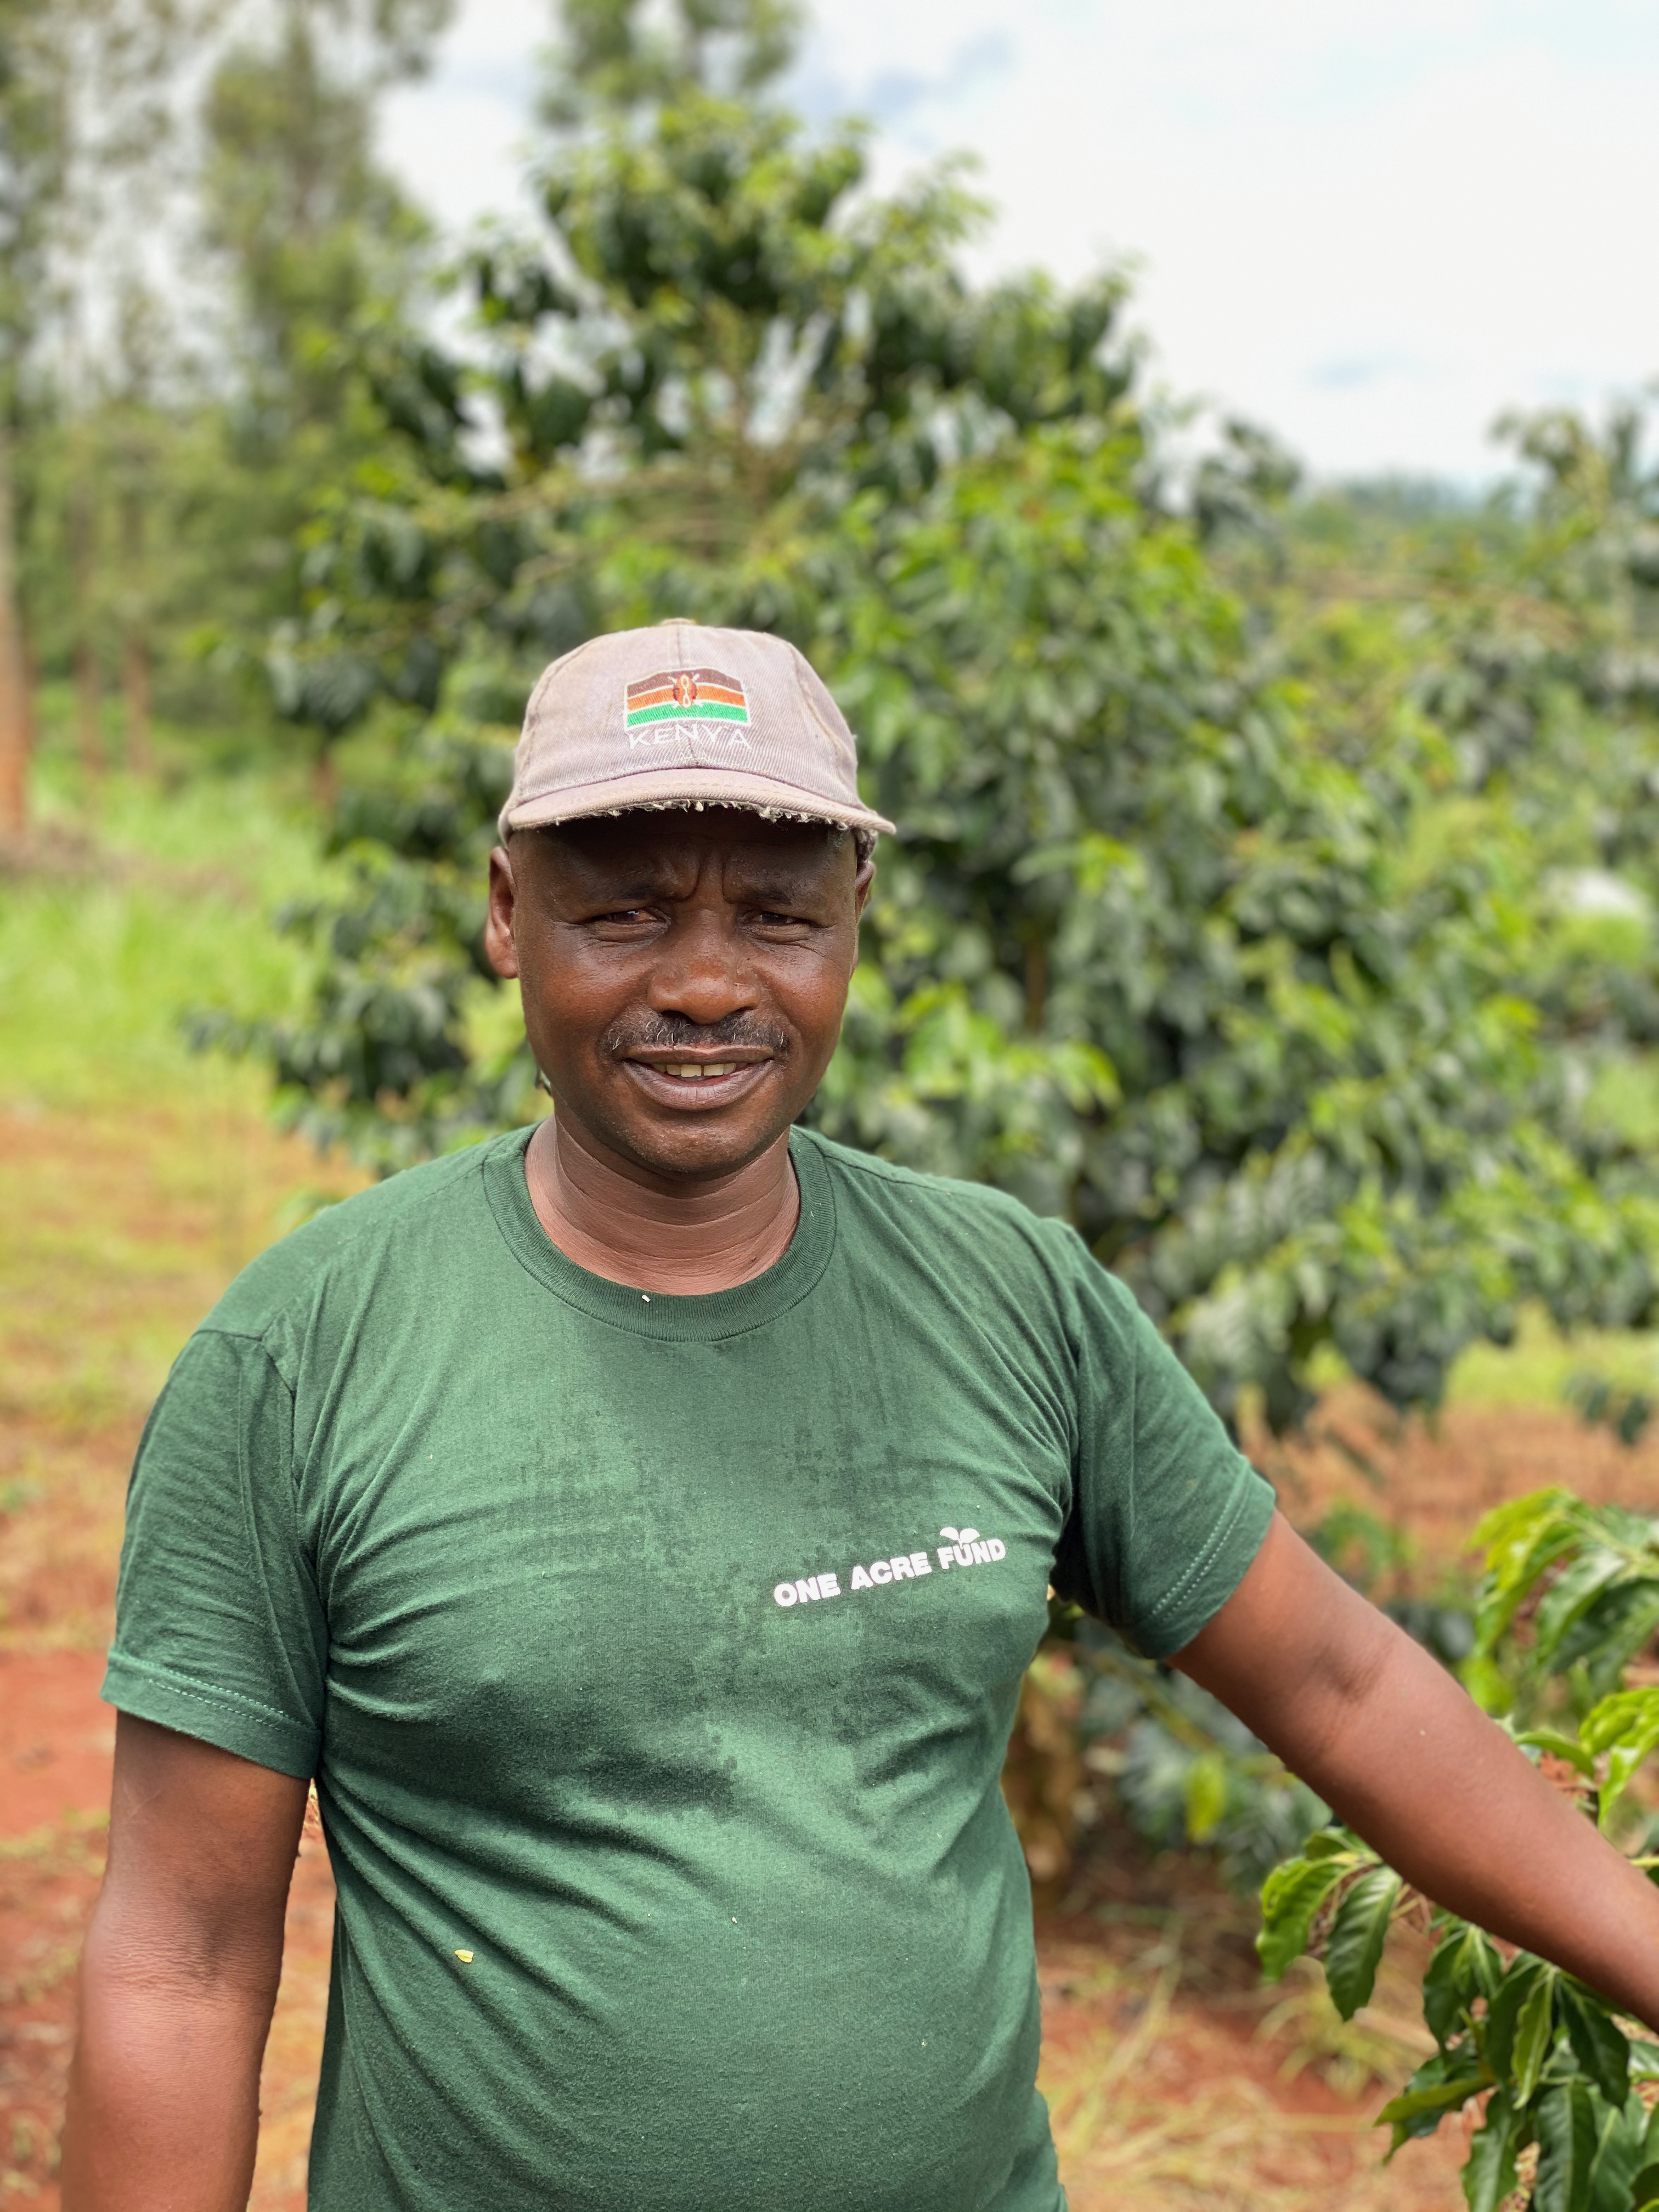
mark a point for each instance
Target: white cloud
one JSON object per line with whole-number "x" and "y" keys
{"x": 460, "y": 139}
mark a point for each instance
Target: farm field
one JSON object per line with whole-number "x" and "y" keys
{"x": 135, "y": 1180}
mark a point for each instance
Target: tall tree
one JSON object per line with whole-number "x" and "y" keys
{"x": 312, "y": 232}
{"x": 322, "y": 253}
{"x": 34, "y": 95}
{"x": 620, "y": 56}
{"x": 85, "y": 107}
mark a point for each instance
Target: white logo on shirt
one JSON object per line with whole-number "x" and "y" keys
{"x": 964, "y": 1547}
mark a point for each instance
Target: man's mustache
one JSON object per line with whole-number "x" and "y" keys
{"x": 664, "y": 1032}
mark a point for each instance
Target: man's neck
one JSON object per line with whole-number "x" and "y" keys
{"x": 613, "y": 1220}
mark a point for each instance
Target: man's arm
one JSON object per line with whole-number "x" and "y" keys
{"x": 178, "y": 1978}
{"x": 1387, "y": 1737}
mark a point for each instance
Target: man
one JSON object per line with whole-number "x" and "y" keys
{"x": 639, "y": 1528}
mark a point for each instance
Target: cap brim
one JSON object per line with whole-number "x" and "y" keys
{"x": 687, "y": 787}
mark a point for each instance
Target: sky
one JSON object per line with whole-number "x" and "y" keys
{"x": 1372, "y": 228}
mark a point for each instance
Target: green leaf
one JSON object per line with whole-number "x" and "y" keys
{"x": 1206, "y": 1795}
{"x": 1487, "y": 1684}
{"x": 1509, "y": 1530}
{"x": 1625, "y": 1727}
{"x": 1566, "y": 2145}
{"x": 1524, "y": 1974}
{"x": 1521, "y": 1540}
{"x": 1618, "y": 2153}
{"x": 1465, "y": 1966}
{"x": 1570, "y": 1594}
{"x": 1431, "y": 2093}
{"x": 1560, "y": 1747}
{"x": 1608, "y": 1635}
{"x": 1336, "y": 1844}
{"x": 1622, "y": 1766}
{"x": 1356, "y": 1938}
{"x": 1489, "y": 2171}
{"x": 1535, "y": 2031}
{"x": 1598, "y": 2044}
{"x": 1644, "y": 2189}
{"x": 1522, "y": 1575}
{"x": 1291, "y": 1896}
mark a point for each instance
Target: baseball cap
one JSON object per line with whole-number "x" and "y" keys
{"x": 684, "y": 715}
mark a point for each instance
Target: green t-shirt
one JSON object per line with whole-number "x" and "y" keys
{"x": 655, "y": 1658}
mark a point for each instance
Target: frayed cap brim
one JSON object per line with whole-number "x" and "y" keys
{"x": 692, "y": 789}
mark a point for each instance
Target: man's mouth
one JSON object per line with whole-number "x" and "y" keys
{"x": 690, "y": 1085}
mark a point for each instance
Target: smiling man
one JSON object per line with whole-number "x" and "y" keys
{"x": 638, "y": 1527}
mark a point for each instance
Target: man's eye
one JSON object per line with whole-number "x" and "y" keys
{"x": 779, "y": 920}
{"x": 627, "y": 913}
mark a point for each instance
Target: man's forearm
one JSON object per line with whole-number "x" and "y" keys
{"x": 1386, "y": 1736}
{"x": 1447, "y": 1799}
{"x": 164, "y": 2094}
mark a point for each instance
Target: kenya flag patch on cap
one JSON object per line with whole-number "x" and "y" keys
{"x": 685, "y": 695}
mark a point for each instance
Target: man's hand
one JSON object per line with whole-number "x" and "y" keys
{"x": 179, "y": 1978}
{"x": 1388, "y": 1738}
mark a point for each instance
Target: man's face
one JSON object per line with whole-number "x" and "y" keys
{"x": 684, "y": 974}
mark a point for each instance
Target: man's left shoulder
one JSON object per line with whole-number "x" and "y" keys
{"x": 985, "y": 1232}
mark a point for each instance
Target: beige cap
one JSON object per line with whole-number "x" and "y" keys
{"x": 682, "y": 716}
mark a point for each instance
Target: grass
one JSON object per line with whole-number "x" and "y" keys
{"x": 1172, "y": 2086}
{"x": 123, "y": 923}
{"x": 1536, "y": 1370}
{"x": 137, "y": 1176}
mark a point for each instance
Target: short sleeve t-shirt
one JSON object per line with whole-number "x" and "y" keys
{"x": 655, "y": 1658}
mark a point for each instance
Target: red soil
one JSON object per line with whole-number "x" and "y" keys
{"x": 55, "y": 1738}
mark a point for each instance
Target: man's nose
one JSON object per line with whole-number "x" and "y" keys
{"x": 703, "y": 970}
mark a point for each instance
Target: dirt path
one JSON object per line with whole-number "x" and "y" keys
{"x": 117, "y": 1235}
{"x": 56, "y": 1738}
{"x": 1174, "y": 2080}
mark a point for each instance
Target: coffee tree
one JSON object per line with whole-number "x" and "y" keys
{"x": 704, "y": 387}
{"x": 1570, "y": 1602}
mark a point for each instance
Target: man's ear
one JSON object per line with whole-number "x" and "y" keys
{"x": 861, "y": 883}
{"x": 502, "y": 953}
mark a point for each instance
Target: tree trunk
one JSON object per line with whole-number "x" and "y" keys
{"x": 88, "y": 702}
{"x": 135, "y": 691}
{"x": 89, "y": 709}
{"x": 135, "y": 651}
{"x": 15, "y": 705}
{"x": 30, "y": 690}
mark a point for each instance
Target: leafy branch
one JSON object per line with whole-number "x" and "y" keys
{"x": 1571, "y": 1597}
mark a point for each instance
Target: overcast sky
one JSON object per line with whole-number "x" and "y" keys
{"x": 1372, "y": 227}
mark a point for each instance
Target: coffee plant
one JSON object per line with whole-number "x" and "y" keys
{"x": 1568, "y": 1608}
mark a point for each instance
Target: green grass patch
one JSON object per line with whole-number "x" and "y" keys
{"x": 1539, "y": 1367}
{"x": 144, "y": 904}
